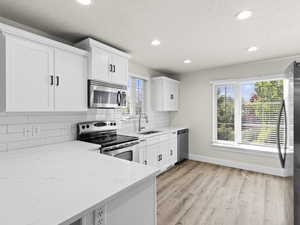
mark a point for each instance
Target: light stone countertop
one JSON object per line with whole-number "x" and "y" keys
{"x": 48, "y": 185}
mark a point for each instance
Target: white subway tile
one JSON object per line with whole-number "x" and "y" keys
{"x": 18, "y": 128}
{"x": 56, "y": 118}
{"x": 3, "y": 129}
{"x": 8, "y": 138}
{"x": 3, "y": 147}
{"x": 13, "y": 119}
{"x": 53, "y": 140}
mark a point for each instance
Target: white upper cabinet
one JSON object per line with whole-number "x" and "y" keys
{"x": 106, "y": 63}
{"x": 99, "y": 65}
{"x": 165, "y": 93}
{"x": 70, "y": 81}
{"x": 41, "y": 75}
{"x": 120, "y": 70}
{"x": 27, "y": 71}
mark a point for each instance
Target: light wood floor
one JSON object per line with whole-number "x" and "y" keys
{"x": 195, "y": 193}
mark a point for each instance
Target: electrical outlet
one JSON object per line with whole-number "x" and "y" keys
{"x": 99, "y": 216}
{"x": 36, "y": 130}
{"x": 27, "y": 131}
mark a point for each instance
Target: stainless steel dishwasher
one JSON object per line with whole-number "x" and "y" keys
{"x": 182, "y": 144}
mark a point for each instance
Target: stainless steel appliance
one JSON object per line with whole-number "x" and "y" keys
{"x": 105, "y": 95}
{"x": 104, "y": 133}
{"x": 294, "y": 126}
{"x": 182, "y": 145}
{"x": 289, "y": 140}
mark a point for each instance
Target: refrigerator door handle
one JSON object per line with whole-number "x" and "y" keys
{"x": 282, "y": 157}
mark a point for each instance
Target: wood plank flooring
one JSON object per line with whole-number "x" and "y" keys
{"x": 195, "y": 193}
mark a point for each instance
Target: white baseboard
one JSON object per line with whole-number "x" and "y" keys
{"x": 244, "y": 166}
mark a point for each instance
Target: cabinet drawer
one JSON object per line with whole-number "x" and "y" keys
{"x": 164, "y": 137}
{"x": 153, "y": 140}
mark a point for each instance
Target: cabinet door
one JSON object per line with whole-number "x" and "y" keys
{"x": 100, "y": 65}
{"x": 153, "y": 152}
{"x": 70, "y": 81}
{"x": 142, "y": 147}
{"x": 171, "y": 95}
{"x": 165, "y": 154}
{"x": 173, "y": 151}
{"x": 29, "y": 66}
{"x": 120, "y": 74}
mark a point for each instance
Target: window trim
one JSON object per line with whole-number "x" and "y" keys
{"x": 236, "y": 145}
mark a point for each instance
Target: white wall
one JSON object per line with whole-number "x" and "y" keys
{"x": 196, "y": 108}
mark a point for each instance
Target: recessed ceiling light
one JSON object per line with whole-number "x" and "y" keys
{"x": 244, "y": 15}
{"x": 84, "y": 2}
{"x": 252, "y": 49}
{"x": 187, "y": 61}
{"x": 155, "y": 42}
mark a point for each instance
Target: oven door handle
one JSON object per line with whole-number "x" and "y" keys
{"x": 106, "y": 150}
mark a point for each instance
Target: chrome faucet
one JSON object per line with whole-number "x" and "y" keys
{"x": 140, "y": 128}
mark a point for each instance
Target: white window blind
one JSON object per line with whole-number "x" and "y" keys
{"x": 261, "y": 103}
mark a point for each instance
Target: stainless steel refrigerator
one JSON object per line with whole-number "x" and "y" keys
{"x": 289, "y": 122}
{"x": 296, "y": 82}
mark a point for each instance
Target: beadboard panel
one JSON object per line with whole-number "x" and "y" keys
{"x": 18, "y": 131}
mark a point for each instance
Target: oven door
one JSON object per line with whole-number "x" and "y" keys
{"x": 128, "y": 153}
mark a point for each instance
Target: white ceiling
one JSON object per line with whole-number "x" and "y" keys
{"x": 204, "y": 31}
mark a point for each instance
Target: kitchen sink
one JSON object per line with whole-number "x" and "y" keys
{"x": 150, "y": 132}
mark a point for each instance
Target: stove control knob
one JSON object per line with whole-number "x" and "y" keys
{"x": 111, "y": 124}
{"x": 83, "y": 127}
{"x": 115, "y": 124}
{"x": 87, "y": 126}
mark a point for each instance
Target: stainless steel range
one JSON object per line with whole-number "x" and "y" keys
{"x": 105, "y": 134}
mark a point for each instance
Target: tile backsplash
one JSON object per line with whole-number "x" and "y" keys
{"x": 20, "y": 130}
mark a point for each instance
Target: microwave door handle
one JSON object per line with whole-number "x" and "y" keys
{"x": 119, "y": 98}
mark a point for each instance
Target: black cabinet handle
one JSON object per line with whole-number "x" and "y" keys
{"x": 57, "y": 80}
{"x": 171, "y": 152}
{"x": 110, "y": 68}
{"x": 145, "y": 162}
{"x": 51, "y": 80}
{"x": 114, "y": 68}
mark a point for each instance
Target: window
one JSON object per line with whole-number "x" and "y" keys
{"x": 135, "y": 96}
{"x": 261, "y": 102}
{"x": 225, "y": 113}
{"x": 246, "y": 112}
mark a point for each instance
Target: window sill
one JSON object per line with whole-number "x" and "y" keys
{"x": 249, "y": 149}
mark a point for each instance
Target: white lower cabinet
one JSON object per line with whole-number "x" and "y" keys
{"x": 159, "y": 151}
{"x": 135, "y": 206}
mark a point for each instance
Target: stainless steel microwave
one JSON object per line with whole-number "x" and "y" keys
{"x": 105, "y": 95}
